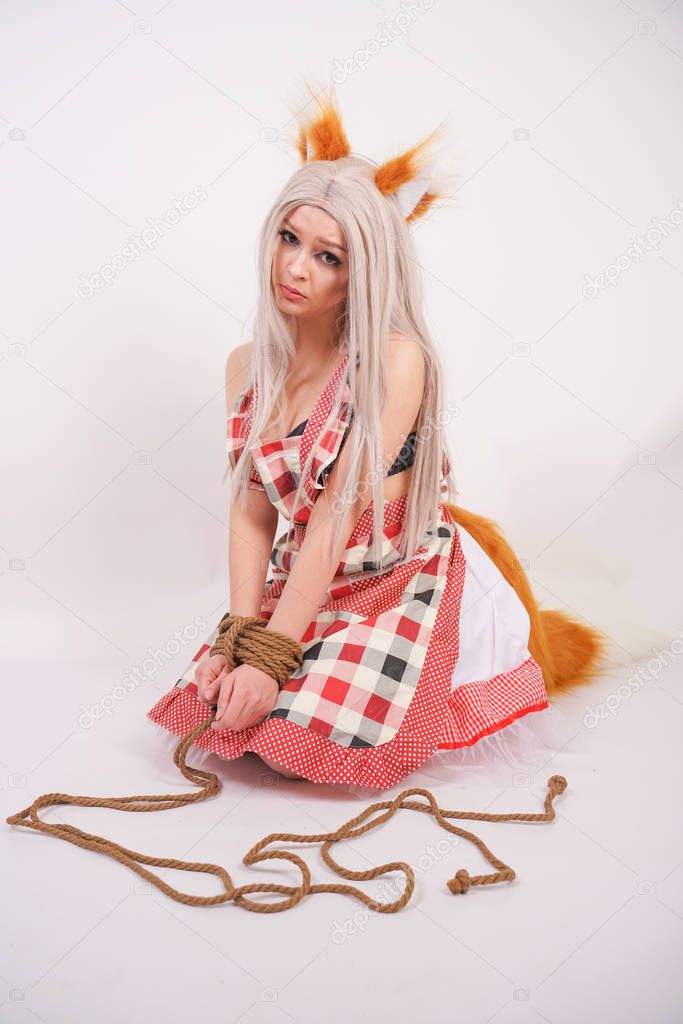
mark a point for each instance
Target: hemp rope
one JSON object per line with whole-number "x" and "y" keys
{"x": 243, "y": 638}
{"x": 210, "y": 786}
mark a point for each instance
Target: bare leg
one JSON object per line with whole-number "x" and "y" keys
{"x": 279, "y": 769}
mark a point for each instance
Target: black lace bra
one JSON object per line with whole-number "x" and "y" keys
{"x": 403, "y": 460}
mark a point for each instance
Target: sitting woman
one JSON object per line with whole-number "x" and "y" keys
{"x": 417, "y": 634}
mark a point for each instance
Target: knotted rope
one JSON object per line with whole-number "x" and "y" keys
{"x": 210, "y": 786}
{"x": 244, "y": 638}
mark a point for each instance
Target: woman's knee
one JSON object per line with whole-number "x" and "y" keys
{"x": 280, "y": 769}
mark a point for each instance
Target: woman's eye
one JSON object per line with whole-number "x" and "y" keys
{"x": 290, "y": 238}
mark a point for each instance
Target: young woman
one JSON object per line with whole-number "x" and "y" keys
{"x": 414, "y": 640}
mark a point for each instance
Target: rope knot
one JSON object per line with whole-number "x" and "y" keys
{"x": 460, "y": 882}
{"x": 245, "y": 639}
{"x": 557, "y": 784}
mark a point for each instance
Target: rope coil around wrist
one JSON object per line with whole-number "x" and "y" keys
{"x": 244, "y": 639}
{"x": 241, "y": 638}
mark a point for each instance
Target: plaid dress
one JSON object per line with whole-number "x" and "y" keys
{"x": 379, "y": 689}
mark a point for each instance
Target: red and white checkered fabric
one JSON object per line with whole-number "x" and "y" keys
{"x": 373, "y": 697}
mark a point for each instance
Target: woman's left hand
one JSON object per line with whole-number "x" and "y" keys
{"x": 247, "y": 695}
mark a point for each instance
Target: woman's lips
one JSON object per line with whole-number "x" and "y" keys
{"x": 290, "y": 293}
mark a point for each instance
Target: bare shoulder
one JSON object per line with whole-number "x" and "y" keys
{"x": 236, "y": 372}
{"x": 406, "y": 369}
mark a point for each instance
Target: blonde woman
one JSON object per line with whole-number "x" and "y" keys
{"x": 415, "y": 641}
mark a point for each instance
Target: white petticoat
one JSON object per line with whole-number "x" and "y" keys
{"x": 494, "y": 634}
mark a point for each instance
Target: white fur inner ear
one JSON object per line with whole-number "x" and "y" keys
{"x": 410, "y": 193}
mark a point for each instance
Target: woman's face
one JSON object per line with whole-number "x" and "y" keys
{"x": 310, "y": 257}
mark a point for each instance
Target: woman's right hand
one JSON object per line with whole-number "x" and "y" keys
{"x": 208, "y": 676}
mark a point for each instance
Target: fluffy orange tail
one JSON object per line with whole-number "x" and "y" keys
{"x": 569, "y": 652}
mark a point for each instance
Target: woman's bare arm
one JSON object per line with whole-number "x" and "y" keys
{"x": 314, "y": 565}
{"x": 252, "y": 530}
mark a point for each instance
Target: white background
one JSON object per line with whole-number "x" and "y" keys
{"x": 565, "y": 125}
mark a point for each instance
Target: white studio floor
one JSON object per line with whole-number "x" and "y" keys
{"x": 590, "y": 930}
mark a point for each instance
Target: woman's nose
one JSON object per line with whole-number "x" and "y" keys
{"x": 299, "y": 263}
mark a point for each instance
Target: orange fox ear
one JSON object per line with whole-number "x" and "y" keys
{"x": 321, "y": 136}
{"x": 411, "y": 177}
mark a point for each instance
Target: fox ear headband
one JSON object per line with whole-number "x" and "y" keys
{"x": 412, "y": 177}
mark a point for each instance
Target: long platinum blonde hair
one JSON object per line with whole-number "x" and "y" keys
{"x": 384, "y": 294}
